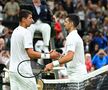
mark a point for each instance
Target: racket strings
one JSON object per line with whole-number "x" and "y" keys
{"x": 37, "y": 69}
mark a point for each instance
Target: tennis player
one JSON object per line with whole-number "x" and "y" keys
{"x": 22, "y": 49}
{"x": 74, "y": 50}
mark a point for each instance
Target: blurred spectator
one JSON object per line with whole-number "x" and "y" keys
{"x": 1, "y": 11}
{"x": 41, "y": 11}
{"x": 105, "y": 25}
{"x": 100, "y": 39}
{"x": 95, "y": 49}
{"x": 68, "y": 6}
{"x": 100, "y": 59}
{"x": 5, "y": 57}
{"x": 42, "y": 20}
{"x": 24, "y": 1}
{"x": 93, "y": 26}
{"x": 3, "y": 29}
{"x": 88, "y": 44}
{"x": 89, "y": 12}
{"x": 61, "y": 14}
{"x": 11, "y": 10}
{"x": 4, "y": 54}
{"x": 57, "y": 26}
{"x": 3, "y": 2}
{"x": 51, "y": 4}
{"x": 106, "y": 50}
{"x": 7, "y": 38}
{"x": 105, "y": 3}
{"x": 88, "y": 62}
{"x": 2, "y": 44}
{"x": 4, "y": 60}
{"x": 80, "y": 10}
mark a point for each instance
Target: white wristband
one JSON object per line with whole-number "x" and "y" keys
{"x": 45, "y": 56}
{"x": 56, "y": 63}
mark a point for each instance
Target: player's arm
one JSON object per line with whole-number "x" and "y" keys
{"x": 66, "y": 58}
{"x": 34, "y": 54}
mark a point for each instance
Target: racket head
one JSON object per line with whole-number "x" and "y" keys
{"x": 34, "y": 69}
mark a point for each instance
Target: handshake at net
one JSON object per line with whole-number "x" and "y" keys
{"x": 53, "y": 54}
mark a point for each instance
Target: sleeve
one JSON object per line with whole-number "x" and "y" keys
{"x": 32, "y": 29}
{"x": 70, "y": 45}
{"x": 28, "y": 41}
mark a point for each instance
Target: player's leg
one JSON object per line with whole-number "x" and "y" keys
{"x": 45, "y": 29}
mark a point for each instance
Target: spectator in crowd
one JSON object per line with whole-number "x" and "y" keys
{"x": 88, "y": 44}
{"x": 68, "y": 6}
{"x": 58, "y": 30}
{"x": 5, "y": 56}
{"x": 100, "y": 59}
{"x": 3, "y": 2}
{"x": 105, "y": 27}
{"x": 1, "y": 11}
{"x": 106, "y": 50}
{"x": 2, "y": 44}
{"x": 3, "y": 29}
{"x": 88, "y": 62}
{"x": 100, "y": 39}
{"x": 11, "y": 10}
{"x": 4, "y": 62}
{"x": 60, "y": 14}
{"x": 80, "y": 10}
{"x": 51, "y": 4}
{"x": 94, "y": 50}
{"x": 42, "y": 18}
{"x": 93, "y": 26}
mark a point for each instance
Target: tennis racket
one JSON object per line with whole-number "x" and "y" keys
{"x": 37, "y": 69}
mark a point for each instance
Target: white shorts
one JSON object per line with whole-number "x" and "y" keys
{"x": 18, "y": 82}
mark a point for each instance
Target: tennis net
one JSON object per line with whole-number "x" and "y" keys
{"x": 92, "y": 81}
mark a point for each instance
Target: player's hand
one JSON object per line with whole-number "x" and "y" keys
{"x": 48, "y": 67}
{"x": 54, "y": 54}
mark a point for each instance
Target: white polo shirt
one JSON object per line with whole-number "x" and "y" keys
{"x": 76, "y": 67}
{"x": 20, "y": 40}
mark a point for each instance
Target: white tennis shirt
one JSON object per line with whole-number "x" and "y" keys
{"x": 20, "y": 40}
{"x": 76, "y": 67}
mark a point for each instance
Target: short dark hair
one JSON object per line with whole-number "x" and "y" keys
{"x": 24, "y": 14}
{"x": 74, "y": 18}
